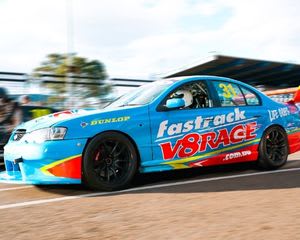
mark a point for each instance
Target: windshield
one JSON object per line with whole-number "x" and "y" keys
{"x": 142, "y": 95}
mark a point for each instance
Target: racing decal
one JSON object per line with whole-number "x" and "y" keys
{"x": 292, "y": 108}
{"x": 200, "y": 123}
{"x": 217, "y": 156}
{"x": 63, "y": 113}
{"x": 208, "y": 140}
{"x": 228, "y": 90}
{"x": 68, "y": 167}
{"x": 84, "y": 124}
{"x": 109, "y": 120}
{"x": 278, "y": 113}
{"x": 69, "y": 113}
{"x": 194, "y": 143}
{"x": 235, "y": 155}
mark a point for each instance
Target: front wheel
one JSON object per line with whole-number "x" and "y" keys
{"x": 273, "y": 148}
{"x": 110, "y": 162}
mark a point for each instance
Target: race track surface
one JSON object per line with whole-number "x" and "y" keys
{"x": 225, "y": 202}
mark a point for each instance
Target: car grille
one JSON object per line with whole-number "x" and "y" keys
{"x": 18, "y": 134}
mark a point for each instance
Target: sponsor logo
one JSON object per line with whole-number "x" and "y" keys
{"x": 194, "y": 143}
{"x": 235, "y": 155}
{"x": 109, "y": 120}
{"x": 166, "y": 129}
{"x": 83, "y": 124}
{"x": 278, "y": 113}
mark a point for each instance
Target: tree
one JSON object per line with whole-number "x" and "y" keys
{"x": 78, "y": 69}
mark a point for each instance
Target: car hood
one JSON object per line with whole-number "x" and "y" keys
{"x": 51, "y": 119}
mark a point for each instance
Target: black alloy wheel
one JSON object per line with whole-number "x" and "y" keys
{"x": 110, "y": 162}
{"x": 273, "y": 148}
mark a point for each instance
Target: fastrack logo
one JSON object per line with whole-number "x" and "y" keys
{"x": 199, "y": 122}
{"x": 193, "y": 143}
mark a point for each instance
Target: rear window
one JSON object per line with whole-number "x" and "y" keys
{"x": 231, "y": 94}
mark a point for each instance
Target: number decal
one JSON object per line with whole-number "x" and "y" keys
{"x": 228, "y": 90}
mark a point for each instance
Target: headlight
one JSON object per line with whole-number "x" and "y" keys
{"x": 45, "y": 134}
{"x": 57, "y": 133}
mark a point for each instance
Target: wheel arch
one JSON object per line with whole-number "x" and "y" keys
{"x": 276, "y": 125}
{"x": 115, "y": 131}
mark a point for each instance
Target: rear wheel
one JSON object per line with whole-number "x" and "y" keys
{"x": 273, "y": 148}
{"x": 110, "y": 162}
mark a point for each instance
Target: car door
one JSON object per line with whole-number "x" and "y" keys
{"x": 176, "y": 133}
{"x": 224, "y": 127}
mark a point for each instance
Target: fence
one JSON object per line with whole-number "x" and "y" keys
{"x": 38, "y": 88}
{"x": 41, "y": 88}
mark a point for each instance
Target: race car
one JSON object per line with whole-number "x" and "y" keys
{"x": 165, "y": 125}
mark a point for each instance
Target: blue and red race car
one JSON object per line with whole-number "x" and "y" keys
{"x": 169, "y": 124}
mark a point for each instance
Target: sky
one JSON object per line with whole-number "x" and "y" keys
{"x": 147, "y": 39}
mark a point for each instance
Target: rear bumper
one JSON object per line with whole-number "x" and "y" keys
{"x": 293, "y": 141}
{"x": 53, "y": 162}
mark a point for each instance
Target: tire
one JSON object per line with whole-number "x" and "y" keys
{"x": 110, "y": 162}
{"x": 273, "y": 148}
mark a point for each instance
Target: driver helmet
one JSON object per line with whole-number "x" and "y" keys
{"x": 187, "y": 97}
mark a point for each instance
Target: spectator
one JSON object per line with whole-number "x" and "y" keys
{"x": 25, "y": 100}
{"x": 10, "y": 115}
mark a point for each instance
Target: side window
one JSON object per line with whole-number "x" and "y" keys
{"x": 229, "y": 94}
{"x": 195, "y": 95}
{"x": 251, "y": 98}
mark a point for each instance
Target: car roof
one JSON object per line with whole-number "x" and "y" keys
{"x": 200, "y": 77}
{"x": 205, "y": 77}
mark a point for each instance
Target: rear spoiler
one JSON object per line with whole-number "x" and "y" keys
{"x": 297, "y": 96}
{"x": 294, "y": 90}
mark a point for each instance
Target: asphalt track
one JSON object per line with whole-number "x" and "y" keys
{"x": 224, "y": 202}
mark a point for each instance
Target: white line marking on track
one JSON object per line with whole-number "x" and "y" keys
{"x": 14, "y": 188}
{"x": 59, "y": 199}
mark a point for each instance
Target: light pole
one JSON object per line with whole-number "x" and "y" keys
{"x": 70, "y": 49}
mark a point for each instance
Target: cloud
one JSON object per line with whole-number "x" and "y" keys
{"x": 263, "y": 29}
{"x": 137, "y": 38}
{"x": 254, "y": 30}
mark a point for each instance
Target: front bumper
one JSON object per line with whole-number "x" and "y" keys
{"x": 52, "y": 162}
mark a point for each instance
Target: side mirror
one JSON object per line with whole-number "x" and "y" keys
{"x": 175, "y": 103}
